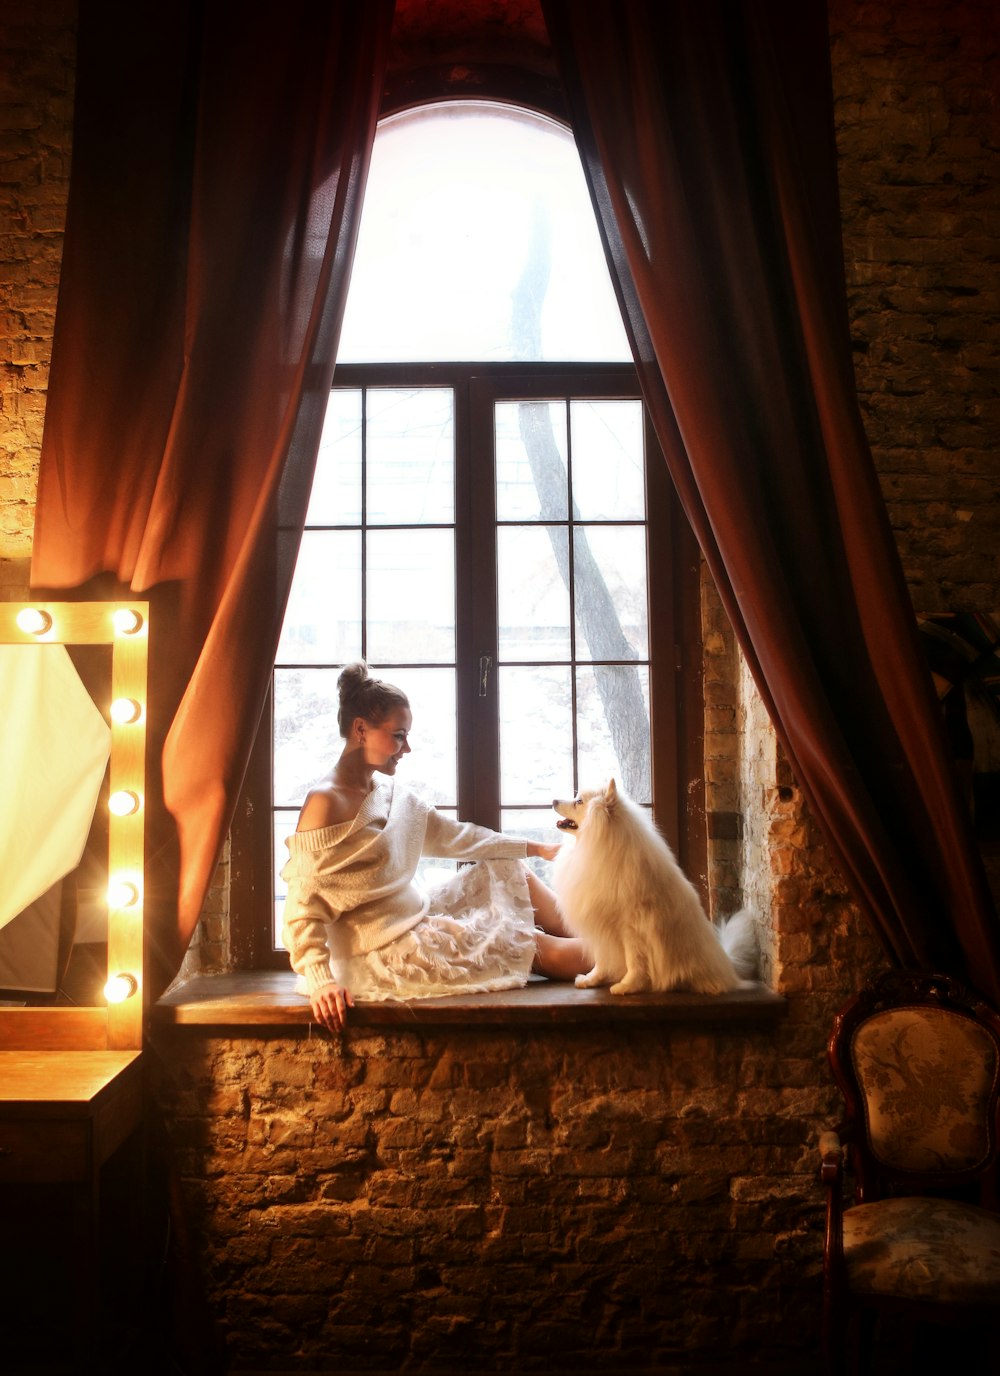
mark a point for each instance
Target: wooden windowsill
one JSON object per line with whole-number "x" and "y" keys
{"x": 267, "y": 1000}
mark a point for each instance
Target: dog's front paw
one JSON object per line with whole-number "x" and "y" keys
{"x": 628, "y": 986}
{"x": 591, "y": 981}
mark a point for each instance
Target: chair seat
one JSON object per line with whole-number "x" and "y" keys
{"x": 934, "y": 1250}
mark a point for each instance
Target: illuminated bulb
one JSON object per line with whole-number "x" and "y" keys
{"x": 125, "y": 710}
{"x": 127, "y": 621}
{"x": 123, "y": 803}
{"x": 120, "y": 987}
{"x": 33, "y": 620}
{"x": 123, "y": 893}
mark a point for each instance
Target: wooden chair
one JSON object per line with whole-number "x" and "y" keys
{"x": 917, "y": 1059}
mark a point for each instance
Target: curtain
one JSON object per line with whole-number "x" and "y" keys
{"x": 706, "y": 134}
{"x": 218, "y": 170}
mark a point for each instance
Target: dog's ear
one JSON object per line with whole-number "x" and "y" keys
{"x": 610, "y": 794}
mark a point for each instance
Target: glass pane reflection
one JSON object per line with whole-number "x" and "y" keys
{"x": 430, "y": 769}
{"x": 608, "y": 467}
{"x": 533, "y": 598}
{"x": 323, "y": 617}
{"x": 530, "y": 444}
{"x": 536, "y": 734}
{"x": 335, "y": 499}
{"x": 307, "y": 740}
{"x": 613, "y": 728}
{"x": 610, "y": 587}
{"x": 411, "y": 596}
{"x": 410, "y": 456}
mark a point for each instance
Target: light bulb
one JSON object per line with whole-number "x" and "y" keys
{"x": 124, "y": 802}
{"x": 33, "y": 620}
{"x": 127, "y": 621}
{"x": 125, "y": 711}
{"x": 123, "y": 893}
{"x": 120, "y": 987}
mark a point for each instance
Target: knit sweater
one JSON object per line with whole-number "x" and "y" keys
{"x": 350, "y": 886}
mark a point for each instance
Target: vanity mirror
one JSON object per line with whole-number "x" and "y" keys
{"x": 68, "y": 751}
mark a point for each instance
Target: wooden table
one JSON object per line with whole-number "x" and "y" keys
{"x": 63, "y": 1114}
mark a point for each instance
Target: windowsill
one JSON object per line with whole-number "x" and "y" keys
{"x": 267, "y": 999}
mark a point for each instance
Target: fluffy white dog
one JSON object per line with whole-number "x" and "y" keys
{"x": 619, "y": 888}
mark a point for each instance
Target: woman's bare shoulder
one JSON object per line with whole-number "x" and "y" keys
{"x": 328, "y": 805}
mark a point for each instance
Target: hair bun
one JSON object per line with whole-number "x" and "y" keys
{"x": 351, "y": 677}
{"x": 361, "y": 695}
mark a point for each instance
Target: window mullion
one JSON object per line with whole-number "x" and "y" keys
{"x": 478, "y": 662}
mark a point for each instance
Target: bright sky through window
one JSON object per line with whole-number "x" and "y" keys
{"x": 467, "y": 205}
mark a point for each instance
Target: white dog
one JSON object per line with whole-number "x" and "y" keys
{"x": 619, "y": 887}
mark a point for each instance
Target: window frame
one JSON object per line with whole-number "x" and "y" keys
{"x": 675, "y": 642}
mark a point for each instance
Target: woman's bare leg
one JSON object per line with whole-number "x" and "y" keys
{"x": 560, "y": 957}
{"x": 543, "y": 900}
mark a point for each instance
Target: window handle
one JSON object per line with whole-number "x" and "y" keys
{"x": 485, "y": 665}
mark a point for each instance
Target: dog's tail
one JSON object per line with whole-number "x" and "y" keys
{"x": 738, "y": 935}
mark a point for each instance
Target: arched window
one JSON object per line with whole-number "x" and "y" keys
{"x": 488, "y": 502}
{"x": 478, "y": 243}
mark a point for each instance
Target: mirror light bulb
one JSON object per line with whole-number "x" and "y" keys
{"x": 123, "y": 893}
{"x": 123, "y": 803}
{"x": 120, "y": 987}
{"x": 125, "y": 711}
{"x": 127, "y": 621}
{"x": 33, "y": 621}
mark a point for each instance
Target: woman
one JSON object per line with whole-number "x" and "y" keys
{"x": 355, "y": 922}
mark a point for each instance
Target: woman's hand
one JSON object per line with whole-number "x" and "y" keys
{"x": 543, "y": 850}
{"x": 330, "y": 1005}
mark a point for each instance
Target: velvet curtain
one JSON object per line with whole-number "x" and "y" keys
{"x": 706, "y": 133}
{"x": 219, "y": 164}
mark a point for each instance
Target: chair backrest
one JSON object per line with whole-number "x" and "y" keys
{"x": 917, "y": 1058}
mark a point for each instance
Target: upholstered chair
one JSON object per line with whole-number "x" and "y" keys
{"x": 917, "y": 1059}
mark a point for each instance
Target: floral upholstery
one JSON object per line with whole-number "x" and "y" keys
{"x": 934, "y": 1250}
{"x": 926, "y": 1075}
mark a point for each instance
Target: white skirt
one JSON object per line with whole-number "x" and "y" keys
{"x": 477, "y": 936}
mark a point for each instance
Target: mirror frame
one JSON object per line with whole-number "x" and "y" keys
{"x": 118, "y": 1026}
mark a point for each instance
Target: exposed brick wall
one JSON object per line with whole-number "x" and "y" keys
{"x": 479, "y": 1201}
{"x": 36, "y": 114}
{"x": 918, "y": 130}
{"x": 475, "y": 1200}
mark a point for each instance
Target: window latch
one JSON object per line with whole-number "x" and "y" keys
{"x": 485, "y": 665}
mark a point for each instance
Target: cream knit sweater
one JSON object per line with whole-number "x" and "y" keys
{"x": 362, "y": 872}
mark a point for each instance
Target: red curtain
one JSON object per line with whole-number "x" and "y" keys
{"x": 706, "y": 133}
{"x": 219, "y": 165}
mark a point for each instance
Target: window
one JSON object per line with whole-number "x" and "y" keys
{"x": 496, "y": 533}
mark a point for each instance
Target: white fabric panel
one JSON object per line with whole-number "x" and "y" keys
{"x": 54, "y": 749}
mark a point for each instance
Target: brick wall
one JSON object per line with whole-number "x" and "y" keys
{"x": 36, "y": 112}
{"x": 520, "y": 1202}
{"x": 477, "y": 1201}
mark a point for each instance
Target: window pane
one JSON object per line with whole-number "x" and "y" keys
{"x": 613, "y": 728}
{"x": 533, "y": 826}
{"x": 323, "y": 617}
{"x": 608, "y": 470}
{"x": 335, "y": 499}
{"x": 430, "y": 769}
{"x": 410, "y": 456}
{"x": 533, "y": 598}
{"x": 284, "y": 825}
{"x": 478, "y": 241}
{"x": 307, "y": 741}
{"x": 530, "y": 439}
{"x": 536, "y": 735}
{"x": 610, "y": 588}
{"x": 411, "y": 596}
